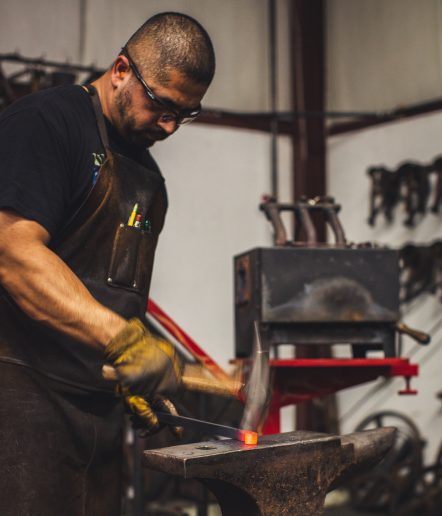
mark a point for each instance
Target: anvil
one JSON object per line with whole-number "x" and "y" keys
{"x": 285, "y": 474}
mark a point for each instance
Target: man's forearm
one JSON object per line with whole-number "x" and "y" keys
{"x": 46, "y": 289}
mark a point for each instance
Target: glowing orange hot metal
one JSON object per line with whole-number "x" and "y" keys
{"x": 248, "y": 437}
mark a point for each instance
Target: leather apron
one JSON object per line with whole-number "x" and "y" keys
{"x": 112, "y": 259}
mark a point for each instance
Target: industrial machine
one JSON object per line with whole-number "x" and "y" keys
{"x": 305, "y": 293}
{"x": 313, "y": 293}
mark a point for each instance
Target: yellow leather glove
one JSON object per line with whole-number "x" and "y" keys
{"x": 144, "y": 417}
{"x": 147, "y": 365}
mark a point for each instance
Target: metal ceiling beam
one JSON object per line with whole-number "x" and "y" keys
{"x": 309, "y": 149}
{"x": 308, "y": 80}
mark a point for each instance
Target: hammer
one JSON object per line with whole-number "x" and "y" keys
{"x": 231, "y": 389}
{"x": 255, "y": 394}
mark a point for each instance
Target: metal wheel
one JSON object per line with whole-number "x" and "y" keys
{"x": 437, "y": 479}
{"x": 392, "y": 481}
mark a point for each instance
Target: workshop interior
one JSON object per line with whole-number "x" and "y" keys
{"x": 299, "y": 272}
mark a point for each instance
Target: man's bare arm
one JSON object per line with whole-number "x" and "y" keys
{"x": 46, "y": 289}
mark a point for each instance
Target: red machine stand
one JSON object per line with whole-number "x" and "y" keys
{"x": 296, "y": 381}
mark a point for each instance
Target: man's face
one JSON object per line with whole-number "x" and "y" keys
{"x": 140, "y": 120}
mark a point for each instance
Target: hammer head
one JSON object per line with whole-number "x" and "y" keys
{"x": 257, "y": 389}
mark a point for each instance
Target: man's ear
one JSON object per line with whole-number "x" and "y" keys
{"x": 119, "y": 70}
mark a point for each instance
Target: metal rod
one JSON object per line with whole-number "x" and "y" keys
{"x": 246, "y": 436}
{"x": 273, "y": 98}
{"x": 17, "y": 58}
{"x": 138, "y": 500}
{"x": 286, "y": 116}
{"x": 82, "y": 30}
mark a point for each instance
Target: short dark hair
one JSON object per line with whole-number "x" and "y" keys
{"x": 173, "y": 41}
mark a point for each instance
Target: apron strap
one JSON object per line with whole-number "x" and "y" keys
{"x": 99, "y": 117}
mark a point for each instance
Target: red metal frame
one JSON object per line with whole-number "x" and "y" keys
{"x": 296, "y": 381}
{"x": 185, "y": 340}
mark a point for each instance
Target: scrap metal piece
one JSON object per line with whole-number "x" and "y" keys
{"x": 285, "y": 474}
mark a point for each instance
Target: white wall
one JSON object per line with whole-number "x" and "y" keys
{"x": 239, "y": 29}
{"x": 382, "y": 54}
{"x": 39, "y": 28}
{"x": 215, "y": 179}
{"x": 240, "y": 37}
{"x": 348, "y": 158}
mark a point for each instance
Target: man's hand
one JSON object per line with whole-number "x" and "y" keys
{"x": 149, "y": 366}
{"x": 143, "y": 415}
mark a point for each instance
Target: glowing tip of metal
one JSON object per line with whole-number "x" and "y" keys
{"x": 250, "y": 438}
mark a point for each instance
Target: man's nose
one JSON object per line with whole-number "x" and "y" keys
{"x": 169, "y": 126}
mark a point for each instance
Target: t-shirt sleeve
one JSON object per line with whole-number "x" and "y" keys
{"x": 34, "y": 171}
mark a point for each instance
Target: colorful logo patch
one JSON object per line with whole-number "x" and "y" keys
{"x": 98, "y": 160}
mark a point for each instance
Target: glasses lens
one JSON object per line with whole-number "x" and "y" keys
{"x": 168, "y": 117}
{"x": 179, "y": 118}
{"x": 186, "y": 120}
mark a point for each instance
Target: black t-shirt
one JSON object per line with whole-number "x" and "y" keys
{"x": 51, "y": 152}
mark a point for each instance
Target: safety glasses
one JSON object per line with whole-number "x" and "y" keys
{"x": 180, "y": 117}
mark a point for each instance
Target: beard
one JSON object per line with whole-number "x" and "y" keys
{"x": 128, "y": 127}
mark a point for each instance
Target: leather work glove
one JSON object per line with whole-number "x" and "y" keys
{"x": 147, "y": 365}
{"x": 143, "y": 415}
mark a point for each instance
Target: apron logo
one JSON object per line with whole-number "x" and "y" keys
{"x": 98, "y": 161}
